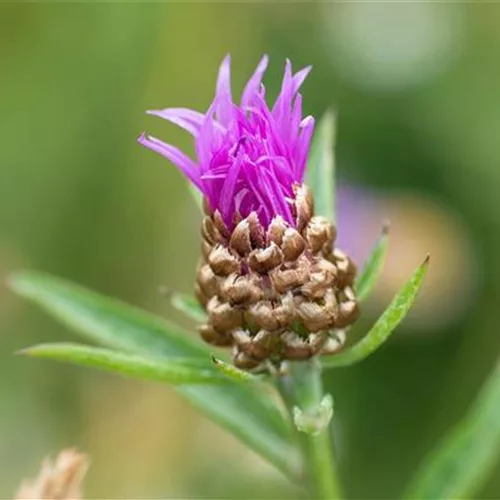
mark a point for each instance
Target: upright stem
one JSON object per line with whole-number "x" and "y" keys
{"x": 302, "y": 388}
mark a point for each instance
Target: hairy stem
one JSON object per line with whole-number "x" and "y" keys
{"x": 302, "y": 388}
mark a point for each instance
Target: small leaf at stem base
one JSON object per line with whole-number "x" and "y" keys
{"x": 314, "y": 420}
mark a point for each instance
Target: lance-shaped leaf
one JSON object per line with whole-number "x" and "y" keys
{"x": 245, "y": 410}
{"x": 385, "y": 325}
{"x": 175, "y": 371}
{"x": 462, "y": 462}
{"x": 320, "y": 175}
{"x": 373, "y": 266}
{"x": 232, "y": 372}
{"x": 189, "y": 306}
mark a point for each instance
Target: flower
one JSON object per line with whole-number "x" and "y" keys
{"x": 274, "y": 286}
{"x": 249, "y": 157}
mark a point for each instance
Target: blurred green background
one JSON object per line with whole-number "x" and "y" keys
{"x": 416, "y": 88}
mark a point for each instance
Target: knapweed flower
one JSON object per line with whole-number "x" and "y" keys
{"x": 273, "y": 285}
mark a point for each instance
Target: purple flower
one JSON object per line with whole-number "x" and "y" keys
{"x": 249, "y": 158}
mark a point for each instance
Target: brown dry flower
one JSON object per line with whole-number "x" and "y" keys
{"x": 61, "y": 479}
{"x": 275, "y": 293}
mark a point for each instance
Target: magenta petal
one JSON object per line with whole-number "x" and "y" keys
{"x": 307, "y": 127}
{"x": 177, "y": 157}
{"x": 249, "y": 157}
{"x": 299, "y": 77}
{"x": 227, "y": 197}
{"x": 223, "y": 92}
{"x": 185, "y": 118}
{"x": 252, "y": 87}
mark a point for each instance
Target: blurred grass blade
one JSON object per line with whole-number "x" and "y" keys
{"x": 189, "y": 306}
{"x": 385, "y": 325}
{"x": 245, "y": 410}
{"x": 464, "y": 459}
{"x": 174, "y": 371}
{"x": 373, "y": 266}
{"x": 232, "y": 372}
{"x": 105, "y": 320}
{"x": 320, "y": 172}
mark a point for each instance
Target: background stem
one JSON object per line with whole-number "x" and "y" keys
{"x": 302, "y": 388}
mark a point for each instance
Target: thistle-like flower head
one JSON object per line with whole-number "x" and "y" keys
{"x": 249, "y": 157}
{"x": 272, "y": 283}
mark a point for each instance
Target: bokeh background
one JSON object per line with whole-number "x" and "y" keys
{"x": 416, "y": 90}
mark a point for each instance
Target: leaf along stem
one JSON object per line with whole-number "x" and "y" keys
{"x": 302, "y": 388}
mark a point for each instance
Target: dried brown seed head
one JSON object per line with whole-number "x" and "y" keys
{"x": 276, "y": 230}
{"x": 211, "y": 336}
{"x": 257, "y": 235}
{"x": 220, "y": 225}
{"x": 345, "y": 267}
{"x": 240, "y": 239}
{"x": 244, "y": 361}
{"x": 320, "y": 234}
{"x": 304, "y": 206}
{"x": 292, "y": 245}
{"x": 209, "y": 232}
{"x": 207, "y": 281}
{"x": 222, "y": 262}
{"x": 276, "y": 294}
{"x": 333, "y": 343}
{"x": 223, "y": 316}
{"x": 263, "y": 260}
{"x": 285, "y": 280}
{"x": 241, "y": 290}
{"x": 314, "y": 316}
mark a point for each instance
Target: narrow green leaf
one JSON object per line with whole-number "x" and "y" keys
{"x": 385, "y": 325}
{"x": 245, "y": 410}
{"x": 234, "y": 373}
{"x": 174, "y": 371}
{"x": 373, "y": 266}
{"x": 105, "y": 320}
{"x": 320, "y": 176}
{"x": 464, "y": 459}
{"x": 196, "y": 195}
{"x": 189, "y": 306}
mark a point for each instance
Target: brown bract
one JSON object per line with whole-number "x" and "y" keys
{"x": 284, "y": 293}
{"x": 60, "y": 479}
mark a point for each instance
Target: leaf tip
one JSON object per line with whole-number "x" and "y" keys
{"x": 14, "y": 280}
{"x": 25, "y": 351}
{"x": 165, "y": 291}
{"x": 426, "y": 260}
{"x": 386, "y": 226}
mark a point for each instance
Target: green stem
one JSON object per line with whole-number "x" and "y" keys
{"x": 302, "y": 388}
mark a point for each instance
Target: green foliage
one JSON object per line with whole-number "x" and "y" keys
{"x": 461, "y": 463}
{"x": 385, "y": 325}
{"x": 232, "y": 372}
{"x": 373, "y": 266}
{"x": 189, "y": 306}
{"x": 174, "y": 371}
{"x": 248, "y": 412}
{"x": 320, "y": 173}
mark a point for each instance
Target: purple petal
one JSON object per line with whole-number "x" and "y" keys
{"x": 299, "y": 77}
{"x": 252, "y": 87}
{"x": 304, "y": 141}
{"x": 185, "y": 118}
{"x": 228, "y": 191}
{"x": 277, "y": 198}
{"x": 177, "y": 157}
{"x": 223, "y": 92}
